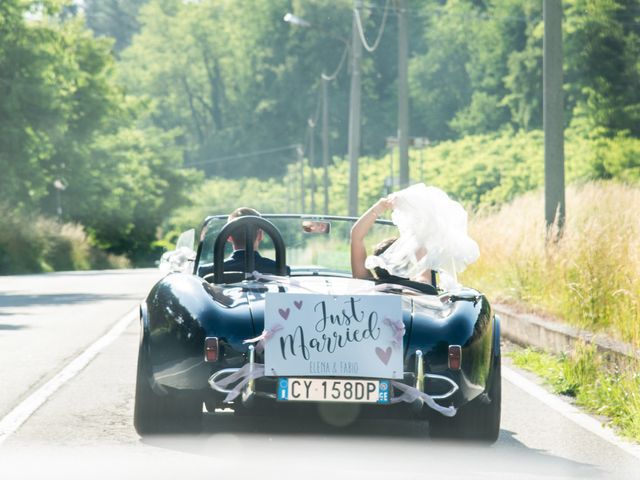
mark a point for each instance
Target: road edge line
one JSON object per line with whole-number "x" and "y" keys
{"x": 11, "y": 422}
{"x": 569, "y": 411}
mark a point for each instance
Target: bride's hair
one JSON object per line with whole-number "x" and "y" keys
{"x": 382, "y": 246}
{"x": 379, "y": 249}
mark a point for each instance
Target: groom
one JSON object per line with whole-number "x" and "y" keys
{"x": 236, "y": 261}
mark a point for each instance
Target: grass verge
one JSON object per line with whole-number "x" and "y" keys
{"x": 603, "y": 389}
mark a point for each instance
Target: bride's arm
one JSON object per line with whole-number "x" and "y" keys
{"x": 359, "y": 232}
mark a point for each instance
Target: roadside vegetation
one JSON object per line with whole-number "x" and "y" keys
{"x": 32, "y": 243}
{"x": 113, "y": 113}
{"x": 589, "y": 276}
{"x": 611, "y": 391}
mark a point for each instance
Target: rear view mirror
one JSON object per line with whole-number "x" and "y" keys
{"x": 316, "y": 226}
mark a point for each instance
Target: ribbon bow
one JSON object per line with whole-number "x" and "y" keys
{"x": 264, "y": 337}
{"x": 398, "y": 331}
{"x": 410, "y": 394}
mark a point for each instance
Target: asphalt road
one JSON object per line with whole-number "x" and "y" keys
{"x": 84, "y": 428}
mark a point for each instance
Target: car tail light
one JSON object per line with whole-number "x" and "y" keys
{"x": 455, "y": 357}
{"x": 211, "y": 349}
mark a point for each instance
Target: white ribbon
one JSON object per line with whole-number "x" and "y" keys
{"x": 247, "y": 373}
{"x": 397, "y": 325}
{"x": 382, "y": 287}
{"x": 410, "y": 394}
{"x": 264, "y": 337}
{"x": 283, "y": 280}
{"x": 253, "y": 371}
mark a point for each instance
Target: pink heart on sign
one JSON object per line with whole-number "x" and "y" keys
{"x": 384, "y": 355}
{"x": 298, "y": 304}
{"x": 284, "y": 313}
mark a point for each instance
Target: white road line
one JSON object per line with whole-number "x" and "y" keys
{"x": 569, "y": 411}
{"x": 16, "y": 417}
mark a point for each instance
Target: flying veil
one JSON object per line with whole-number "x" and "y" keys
{"x": 433, "y": 235}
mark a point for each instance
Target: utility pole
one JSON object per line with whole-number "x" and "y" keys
{"x": 325, "y": 145}
{"x": 60, "y": 187}
{"x": 312, "y": 162}
{"x": 301, "y": 161}
{"x": 354, "y": 113}
{"x": 553, "y": 120}
{"x": 403, "y": 95}
{"x": 391, "y": 173}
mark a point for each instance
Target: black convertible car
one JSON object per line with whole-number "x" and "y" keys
{"x": 307, "y": 337}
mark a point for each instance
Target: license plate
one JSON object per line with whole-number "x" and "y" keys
{"x": 333, "y": 390}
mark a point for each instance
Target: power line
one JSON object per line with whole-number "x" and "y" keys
{"x": 316, "y": 116}
{"x": 242, "y": 155}
{"x": 333, "y": 76}
{"x": 374, "y": 9}
{"x": 371, "y": 48}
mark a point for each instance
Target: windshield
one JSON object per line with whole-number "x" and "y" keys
{"x": 319, "y": 253}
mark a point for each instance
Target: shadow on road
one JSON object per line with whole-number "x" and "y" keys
{"x": 371, "y": 447}
{"x": 89, "y": 273}
{"x": 25, "y": 300}
{"x": 7, "y": 326}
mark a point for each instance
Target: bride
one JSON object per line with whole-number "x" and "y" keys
{"x": 432, "y": 238}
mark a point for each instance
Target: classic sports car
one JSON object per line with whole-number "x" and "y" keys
{"x": 308, "y": 337}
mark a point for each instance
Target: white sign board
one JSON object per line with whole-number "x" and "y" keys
{"x": 333, "y": 335}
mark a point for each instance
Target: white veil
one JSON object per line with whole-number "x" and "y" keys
{"x": 429, "y": 222}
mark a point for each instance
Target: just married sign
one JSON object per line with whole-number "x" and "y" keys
{"x": 333, "y": 335}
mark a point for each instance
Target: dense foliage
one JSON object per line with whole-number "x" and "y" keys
{"x": 236, "y": 78}
{"x": 64, "y": 121}
{"x": 111, "y": 99}
{"x": 30, "y": 242}
{"x": 117, "y": 19}
{"x": 481, "y": 171}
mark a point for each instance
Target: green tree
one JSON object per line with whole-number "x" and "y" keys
{"x": 53, "y": 78}
{"x": 229, "y": 74}
{"x": 136, "y": 180}
{"x": 64, "y": 118}
{"x": 117, "y": 19}
{"x": 602, "y": 48}
{"x": 236, "y": 78}
{"x": 438, "y": 80}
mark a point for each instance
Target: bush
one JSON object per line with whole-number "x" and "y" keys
{"x": 481, "y": 171}
{"x": 32, "y": 243}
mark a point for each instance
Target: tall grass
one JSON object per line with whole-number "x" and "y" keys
{"x": 590, "y": 276}
{"x": 33, "y": 243}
